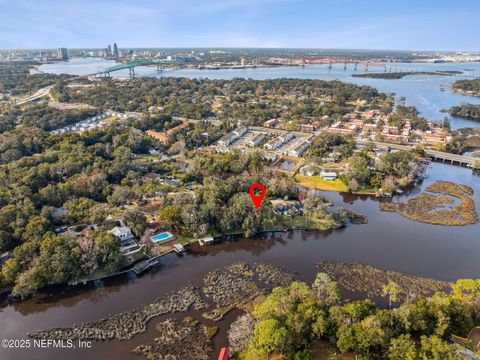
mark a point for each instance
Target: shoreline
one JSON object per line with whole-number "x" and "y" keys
{"x": 235, "y": 286}
{"x": 130, "y": 269}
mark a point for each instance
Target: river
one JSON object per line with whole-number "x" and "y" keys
{"x": 422, "y": 91}
{"x": 388, "y": 241}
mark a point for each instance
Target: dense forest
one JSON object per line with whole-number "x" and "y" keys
{"x": 469, "y": 111}
{"x": 15, "y": 78}
{"x": 293, "y": 319}
{"x": 252, "y": 101}
{"x": 467, "y": 86}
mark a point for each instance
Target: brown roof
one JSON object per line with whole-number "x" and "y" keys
{"x": 157, "y": 135}
{"x": 181, "y": 126}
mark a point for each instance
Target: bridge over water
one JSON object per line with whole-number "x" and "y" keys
{"x": 433, "y": 154}
{"x": 130, "y": 65}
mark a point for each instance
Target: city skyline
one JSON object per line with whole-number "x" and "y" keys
{"x": 431, "y": 25}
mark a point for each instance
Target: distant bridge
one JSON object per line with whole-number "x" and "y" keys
{"x": 386, "y": 66}
{"x": 130, "y": 65}
{"x": 433, "y": 154}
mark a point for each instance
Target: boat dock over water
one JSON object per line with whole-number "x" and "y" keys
{"x": 178, "y": 248}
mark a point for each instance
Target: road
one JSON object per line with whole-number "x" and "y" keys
{"x": 37, "y": 95}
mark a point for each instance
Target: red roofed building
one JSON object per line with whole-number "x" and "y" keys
{"x": 157, "y": 135}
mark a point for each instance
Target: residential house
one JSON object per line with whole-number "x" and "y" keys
{"x": 124, "y": 234}
{"x": 328, "y": 175}
{"x": 307, "y": 170}
{"x": 256, "y": 139}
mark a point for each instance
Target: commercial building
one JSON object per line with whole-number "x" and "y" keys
{"x": 62, "y": 54}
{"x": 158, "y": 135}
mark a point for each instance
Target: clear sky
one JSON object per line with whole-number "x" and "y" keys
{"x": 373, "y": 24}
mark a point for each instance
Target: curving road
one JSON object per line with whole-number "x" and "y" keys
{"x": 37, "y": 95}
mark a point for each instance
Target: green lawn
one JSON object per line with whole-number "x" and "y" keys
{"x": 318, "y": 183}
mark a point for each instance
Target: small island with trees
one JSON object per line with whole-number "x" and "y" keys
{"x": 465, "y": 110}
{"x": 467, "y": 87}
{"x": 437, "y": 205}
{"x": 401, "y": 75}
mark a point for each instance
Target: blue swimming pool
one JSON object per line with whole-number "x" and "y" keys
{"x": 162, "y": 236}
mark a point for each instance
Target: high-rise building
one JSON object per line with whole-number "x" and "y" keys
{"x": 62, "y": 54}
{"x": 115, "y": 51}
{"x": 109, "y": 50}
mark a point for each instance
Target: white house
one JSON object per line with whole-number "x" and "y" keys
{"x": 328, "y": 175}
{"x": 123, "y": 233}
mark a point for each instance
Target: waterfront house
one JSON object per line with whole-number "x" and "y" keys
{"x": 328, "y": 175}
{"x": 287, "y": 207}
{"x": 123, "y": 233}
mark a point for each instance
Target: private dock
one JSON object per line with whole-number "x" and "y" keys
{"x": 178, "y": 248}
{"x": 144, "y": 265}
{"x": 206, "y": 241}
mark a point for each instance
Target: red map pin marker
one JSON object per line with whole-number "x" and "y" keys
{"x": 257, "y": 193}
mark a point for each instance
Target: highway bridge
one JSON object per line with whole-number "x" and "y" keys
{"x": 386, "y": 66}
{"x": 432, "y": 154}
{"x": 130, "y": 65}
{"x": 37, "y": 95}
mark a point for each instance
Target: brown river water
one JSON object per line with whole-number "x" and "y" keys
{"x": 388, "y": 241}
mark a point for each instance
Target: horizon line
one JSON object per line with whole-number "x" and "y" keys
{"x": 241, "y": 47}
